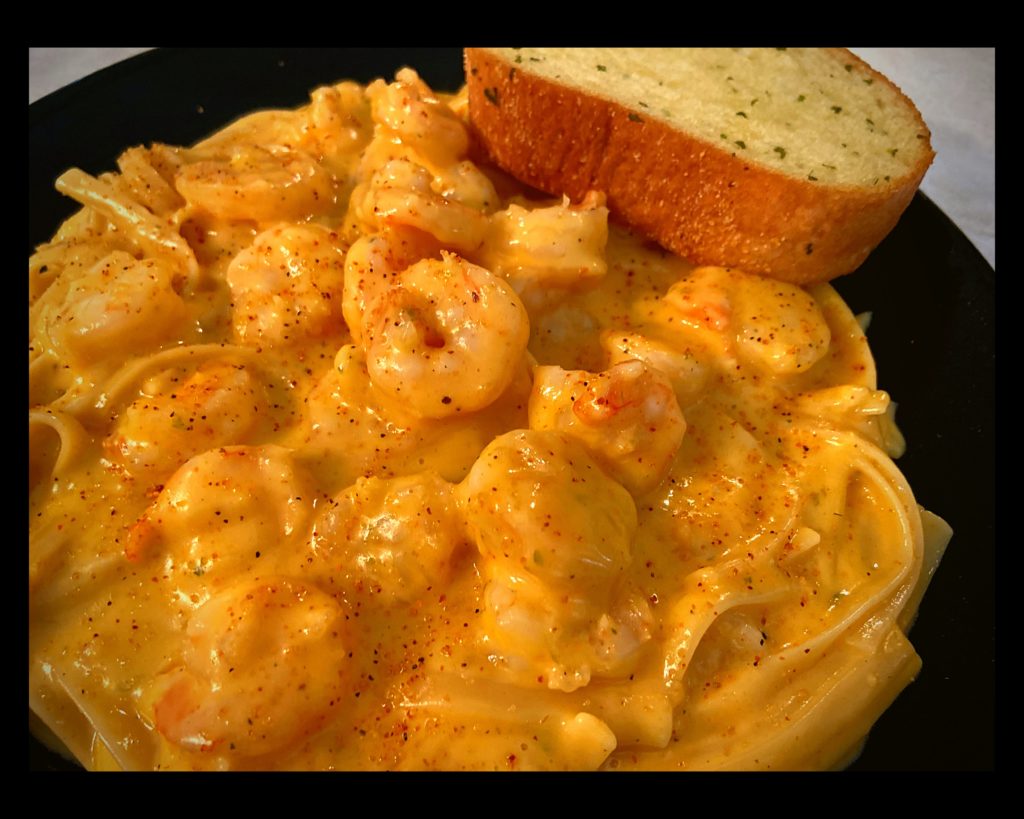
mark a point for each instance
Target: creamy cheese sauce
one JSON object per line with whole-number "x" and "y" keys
{"x": 349, "y": 453}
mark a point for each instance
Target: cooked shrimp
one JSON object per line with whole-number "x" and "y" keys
{"x": 559, "y": 246}
{"x": 627, "y": 417}
{"x": 361, "y": 430}
{"x": 780, "y": 326}
{"x": 222, "y": 509}
{"x": 409, "y": 112}
{"x": 121, "y": 303}
{"x": 446, "y": 338}
{"x": 393, "y": 539}
{"x": 415, "y": 171}
{"x": 76, "y": 256}
{"x": 536, "y": 499}
{"x": 258, "y": 184}
{"x": 685, "y": 370}
{"x": 403, "y": 193}
{"x": 264, "y": 667}
{"x": 372, "y": 265}
{"x": 467, "y": 185}
{"x": 216, "y": 406}
{"x": 556, "y": 534}
{"x": 700, "y": 305}
{"x": 337, "y": 125}
{"x": 288, "y": 286}
{"x": 774, "y": 324}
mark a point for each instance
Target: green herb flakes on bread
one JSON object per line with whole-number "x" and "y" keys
{"x": 790, "y": 163}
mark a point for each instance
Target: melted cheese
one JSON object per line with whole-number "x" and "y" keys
{"x": 346, "y": 454}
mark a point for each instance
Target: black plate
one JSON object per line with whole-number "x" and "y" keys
{"x": 931, "y": 292}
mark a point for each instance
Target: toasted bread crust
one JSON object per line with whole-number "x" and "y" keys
{"x": 706, "y": 204}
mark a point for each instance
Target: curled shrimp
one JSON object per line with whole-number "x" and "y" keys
{"x": 121, "y": 303}
{"x": 264, "y": 666}
{"x": 65, "y": 261}
{"x": 415, "y": 171}
{"x": 467, "y": 185}
{"x": 774, "y": 324}
{"x": 393, "y": 539}
{"x": 446, "y": 338}
{"x": 259, "y": 184}
{"x": 558, "y": 246}
{"x": 780, "y": 326}
{"x": 700, "y": 307}
{"x": 402, "y": 192}
{"x": 556, "y": 533}
{"x": 362, "y": 431}
{"x": 222, "y": 509}
{"x": 407, "y": 111}
{"x": 372, "y": 265}
{"x": 337, "y": 125}
{"x": 627, "y": 417}
{"x": 218, "y": 405}
{"x": 687, "y": 373}
{"x": 287, "y": 286}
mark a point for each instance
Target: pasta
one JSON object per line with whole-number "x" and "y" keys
{"x": 347, "y": 452}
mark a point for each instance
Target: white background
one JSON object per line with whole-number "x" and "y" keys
{"x": 954, "y": 88}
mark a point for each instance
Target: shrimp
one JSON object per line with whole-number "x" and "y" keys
{"x": 360, "y": 430}
{"x": 447, "y": 338}
{"x": 415, "y": 171}
{"x": 337, "y": 125}
{"x": 373, "y": 263}
{"x": 627, "y": 417}
{"x": 222, "y": 509}
{"x": 264, "y": 666}
{"x": 121, "y": 303}
{"x": 408, "y": 111}
{"x": 402, "y": 192}
{"x": 780, "y": 326}
{"x": 394, "y": 539}
{"x": 467, "y": 185}
{"x": 560, "y": 246}
{"x": 776, "y": 325}
{"x": 556, "y": 534}
{"x": 700, "y": 305}
{"x": 686, "y": 372}
{"x": 287, "y": 287}
{"x": 259, "y": 184}
{"x": 218, "y": 405}
{"x": 76, "y": 256}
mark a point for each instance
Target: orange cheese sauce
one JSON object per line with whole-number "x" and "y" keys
{"x": 349, "y": 453}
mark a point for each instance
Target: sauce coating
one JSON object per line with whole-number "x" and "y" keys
{"x": 349, "y": 453}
